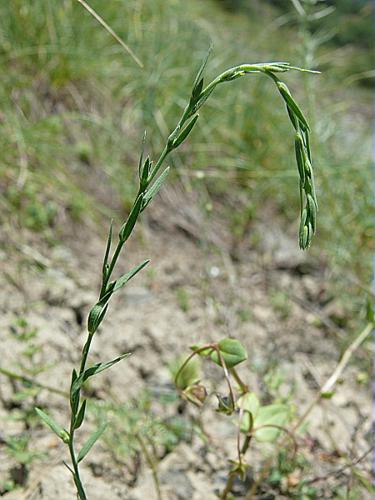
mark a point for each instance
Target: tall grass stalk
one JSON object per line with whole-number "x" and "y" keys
{"x": 151, "y": 178}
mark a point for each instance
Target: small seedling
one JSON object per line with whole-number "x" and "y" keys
{"x": 264, "y": 423}
{"x": 151, "y": 179}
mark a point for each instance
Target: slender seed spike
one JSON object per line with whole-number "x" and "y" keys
{"x": 312, "y": 211}
{"x": 305, "y": 238}
{"x": 311, "y": 232}
{"x": 293, "y": 118}
{"x": 299, "y": 157}
{"x": 284, "y": 91}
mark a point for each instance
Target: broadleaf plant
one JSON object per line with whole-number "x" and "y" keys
{"x": 264, "y": 423}
{"x": 150, "y": 182}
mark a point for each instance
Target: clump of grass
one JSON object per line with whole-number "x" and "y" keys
{"x": 152, "y": 176}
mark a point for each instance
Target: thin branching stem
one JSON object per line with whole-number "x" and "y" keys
{"x": 149, "y": 184}
{"x": 241, "y": 384}
{"x": 151, "y": 464}
{"x": 27, "y": 380}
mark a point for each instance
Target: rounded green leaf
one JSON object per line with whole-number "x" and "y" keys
{"x": 232, "y": 351}
{"x": 271, "y": 415}
{"x": 188, "y": 376}
{"x": 249, "y": 404}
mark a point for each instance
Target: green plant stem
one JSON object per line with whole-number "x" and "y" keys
{"x": 232, "y": 476}
{"x": 243, "y": 387}
{"x": 115, "y": 257}
{"x": 174, "y": 140}
{"x": 159, "y": 163}
{"x": 77, "y": 478}
{"x": 85, "y": 353}
{"x": 151, "y": 464}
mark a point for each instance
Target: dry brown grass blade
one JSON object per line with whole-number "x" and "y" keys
{"x": 331, "y": 381}
{"x": 110, "y": 31}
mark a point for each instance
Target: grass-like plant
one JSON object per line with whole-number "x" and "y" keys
{"x": 151, "y": 178}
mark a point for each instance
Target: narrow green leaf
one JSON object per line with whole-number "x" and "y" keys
{"x": 180, "y": 139}
{"x": 74, "y": 395}
{"x": 99, "y": 310}
{"x": 53, "y": 425}
{"x": 120, "y": 282}
{"x": 107, "y": 250}
{"x": 94, "y": 370}
{"x": 90, "y": 442}
{"x": 144, "y": 173}
{"x": 196, "y": 92}
{"x": 96, "y": 316}
{"x": 201, "y": 70}
{"x": 142, "y": 153}
{"x": 127, "y": 228}
{"x": 68, "y": 467}
{"x": 154, "y": 189}
{"x": 81, "y": 415}
{"x": 203, "y": 99}
{"x": 99, "y": 367}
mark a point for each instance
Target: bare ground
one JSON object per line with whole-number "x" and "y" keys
{"x": 268, "y": 295}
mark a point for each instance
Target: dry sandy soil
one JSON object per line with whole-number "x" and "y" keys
{"x": 268, "y": 295}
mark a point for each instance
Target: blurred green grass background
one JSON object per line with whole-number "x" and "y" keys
{"x": 74, "y": 107}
